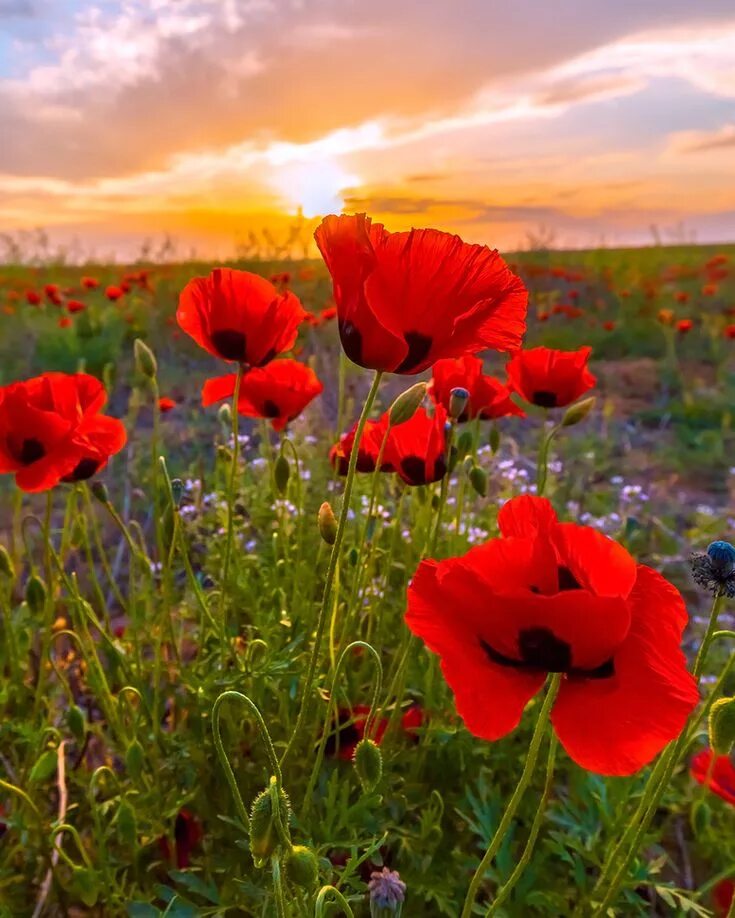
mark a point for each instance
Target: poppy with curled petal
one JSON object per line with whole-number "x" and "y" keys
{"x": 405, "y": 300}
{"x": 239, "y": 316}
{"x": 721, "y": 779}
{"x": 51, "y": 430}
{"x": 417, "y": 449}
{"x": 550, "y": 597}
{"x": 279, "y": 391}
{"x": 550, "y": 378}
{"x": 489, "y": 398}
{"x": 369, "y": 450}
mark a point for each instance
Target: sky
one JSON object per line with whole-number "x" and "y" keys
{"x": 569, "y": 123}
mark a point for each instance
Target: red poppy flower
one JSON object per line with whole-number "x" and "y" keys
{"x": 279, "y": 391}
{"x": 609, "y": 326}
{"x": 351, "y": 729}
{"x": 166, "y": 404}
{"x": 113, "y": 293}
{"x": 90, "y": 283}
{"x": 709, "y": 290}
{"x": 188, "y": 834}
{"x": 729, "y": 331}
{"x": 404, "y": 300}
{"x": 370, "y": 443}
{"x": 683, "y": 326}
{"x": 328, "y": 313}
{"x": 75, "y": 305}
{"x": 722, "y": 779}
{"x": 65, "y": 322}
{"x": 681, "y": 297}
{"x": 549, "y": 378}
{"x": 557, "y": 597}
{"x": 239, "y": 316}
{"x": 51, "y": 430}
{"x": 722, "y": 896}
{"x": 489, "y": 398}
{"x": 417, "y": 449}
{"x": 33, "y": 298}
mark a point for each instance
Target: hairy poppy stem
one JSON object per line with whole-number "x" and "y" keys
{"x": 656, "y": 785}
{"x": 230, "y": 505}
{"x": 543, "y": 460}
{"x": 320, "y": 909}
{"x": 515, "y": 800}
{"x": 331, "y": 570}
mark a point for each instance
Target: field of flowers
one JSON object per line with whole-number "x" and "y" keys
{"x": 396, "y": 582}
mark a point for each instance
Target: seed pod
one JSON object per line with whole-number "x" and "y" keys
{"x": 6, "y": 564}
{"x": 494, "y": 440}
{"x": 407, "y": 404}
{"x": 368, "y": 762}
{"x": 478, "y": 480}
{"x": 578, "y": 412}
{"x": 464, "y": 443}
{"x": 302, "y": 867}
{"x": 35, "y": 593}
{"x": 281, "y": 473}
{"x": 722, "y": 726}
{"x": 145, "y": 361}
{"x": 99, "y": 491}
{"x": 263, "y": 834}
{"x": 327, "y": 522}
{"x": 458, "y": 399}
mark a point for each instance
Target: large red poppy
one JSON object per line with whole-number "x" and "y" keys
{"x": 557, "y": 597}
{"x": 279, "y": 391}
{"x": 489, "y": 398}
{"x": 417, "y": 449}
{"x": 51, "y": 430}
{"x": 239, "y": 316}
{"x": 722, "y": 779}
{"x": 550, "y": 378}
{"x": 369, "y": 449}
{"x": 404, "y": 300}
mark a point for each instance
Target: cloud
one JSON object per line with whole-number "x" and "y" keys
{"x": 704, "y": 141}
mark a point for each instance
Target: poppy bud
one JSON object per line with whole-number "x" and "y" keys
{"x": 721, "y": 726}
{"x": 135, "y": 760}
{"x": 302, "y": 867}
{"x": 494, "y": 440}
{"x": 478, "y": 480}
{"x": 281, "y": 473}
{"x": 35, "y": 593}
{"x": 6, "y": 564}
{"x": 177, "y": 491}
{"x": 458, "y": 399}
{"x": 407, "y": 404}
{"x": 225, "y": 415}
{"x": 263, "y": 833}
{"x": 76, "y": 721}
{"x": 578, "y": 412}
{"x": 368, "y": 763}
{"x": 100, "y": 492}
{"x": 701, "y": 818}
{"x": 145, "y": 361}
{"x": 464, "y": 443}
{"x": 327, "y": 523}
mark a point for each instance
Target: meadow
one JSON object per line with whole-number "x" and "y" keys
{"x": 480, "y": 664}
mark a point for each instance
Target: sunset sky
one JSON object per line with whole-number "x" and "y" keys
{"x": 581, "y": 121}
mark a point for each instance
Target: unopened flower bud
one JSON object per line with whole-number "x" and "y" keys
{"x": 145, "y": 361}
{"x": 387, "y": 893}
{"x": 478, "y": 480}
{"x": 458, "y": 399}
{"x": 494, "y": 440}
{"x": 224, "y": 415}
{"x": 135, "y": 760}
{"x": 35, "y": 593}
{"x": 302, "y": 867}
{"x": 99, "y": 491}
{"x": 464, "y": 443}
{"x": 368, "y": 762}
{"x": 407, "y": 404}
{"x": 281, "y": 473}
{"x": 263, "y": 833}
{"x": 578, "y": 412}
{"x": 7, "y": 569}
{"x": 721, "y": 726}
{"x": 327, "y": 523}
{"x": 701, "y": 818}
{"x": 77, "y": 723}
{"x": 177, "y": 491}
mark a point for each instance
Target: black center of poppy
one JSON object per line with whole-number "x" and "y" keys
{"x": 268, "y": 357}
{"x": 83, "y": 470}
{"x": 540, "y": 648}
{"x": 351, "y": 339}
{"x": 349, "y": 736}
{"x": 544, "y": 399}
{"x": 440, "y": 468}
{"x": 414, "y": 470}
{"x": 31, "y": 451}
{"x": 270, "y": 409}
{"x": 567, "y": 580}
{"x": 418, "y": 350}
{"x": 230, "y": 344}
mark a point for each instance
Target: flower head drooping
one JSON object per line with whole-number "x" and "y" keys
{"x": 387, "y": 892}
{"x": 715, "y": 569}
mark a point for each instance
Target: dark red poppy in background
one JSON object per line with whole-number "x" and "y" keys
{"x": 558, "y": 597}
{"x": 417, "y": 449}
{"x": 683, "y": 326}
{"x": 550, "y": 378}
{"x": 722, "y": 779}
{"x": 489, "y": 398}
{"x": 370, "y": 443}
{"x": 239, "y": 316}
{"x": 188, "y": 835}
{"x": 166, "y": 404}
{"x": 51, "y": 430}
{"x": 404, "y": 300}
{"x": 113, "y": 292}
{"x": 33, "y": 298}
{"x": 75, "y": 306}
{"x": 722, "y": 896}
{"x": 90, "y": 283}
{"x": 279, "y": 391}
{"x": 351, "y": 729}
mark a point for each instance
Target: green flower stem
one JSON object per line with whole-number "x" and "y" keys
{"x": 11, "y": 642}
{"x": 48, "y": 610}
{"x": 515, "y": 800}
{"x": 331, "y": 570}
{"x": 320, "y": 908}
{"x": 230, "y": 506}
{"x": 507, "y": 888}
{"x": 656, "y": 785}
{"x": 542, "y": 469}
{"x": 99, "y": 545}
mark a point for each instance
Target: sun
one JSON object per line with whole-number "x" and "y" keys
{"x": 316, "y": 186}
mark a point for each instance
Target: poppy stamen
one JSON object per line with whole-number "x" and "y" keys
{"x": 231, "y": 344}
{"x": 31, "y": 451}
{"x": 418, "y": 350}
